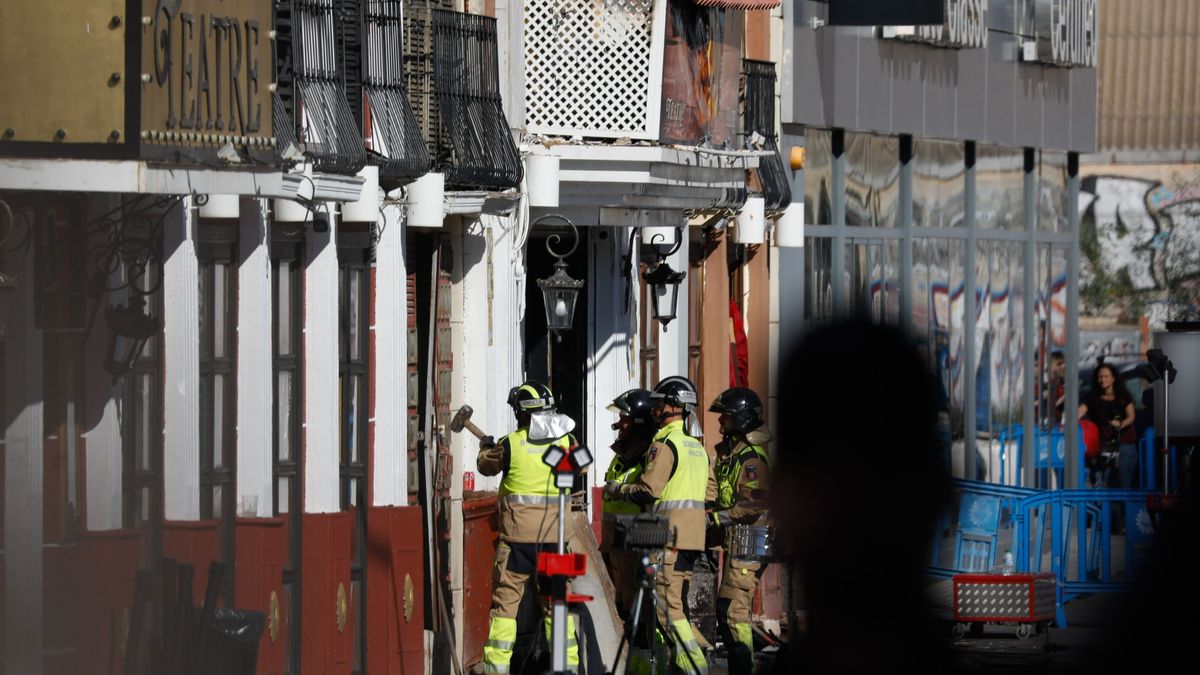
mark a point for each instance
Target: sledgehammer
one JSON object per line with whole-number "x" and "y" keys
{"x": 462, "y": 420}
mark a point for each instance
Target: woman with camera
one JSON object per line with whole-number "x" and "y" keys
{"x": 1110, "y": 407}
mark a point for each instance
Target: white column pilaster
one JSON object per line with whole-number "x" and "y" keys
{"x": 181, "y": 359}
{"x": 390, "y": 471}
{"x": 321, "y": 370}
{"x": 256, "y": 393}
{"x": 23, "y": 450}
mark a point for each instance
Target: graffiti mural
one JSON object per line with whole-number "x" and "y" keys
{"x": 1140, "y": 239}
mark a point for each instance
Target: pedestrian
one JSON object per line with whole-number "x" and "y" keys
{"x": 528, "y": 522}
{"x": 1109, "y": 406}
{"x": 742, "y": 474}
{"x": 673, "y": 486}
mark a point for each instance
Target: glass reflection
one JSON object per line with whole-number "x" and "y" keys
{"x": 938, "y": 183}
{"x": 818, "y": 280}
{"x": 920, "y": 297}
{"x": 818, "y": 172}
{"x": 1052, "y": 192}
{"x": 957, "y": 308}
{"x": 872, "y": 180}
{"x": 1000, "y": 188}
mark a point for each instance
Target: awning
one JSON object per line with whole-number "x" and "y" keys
{"x": 739, "y": 4}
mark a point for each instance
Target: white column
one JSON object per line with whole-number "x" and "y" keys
{"x": 321, "y": 370}
{"x": 390, "y": 471}
{"x": 181, "y": 359}
{"x": 102, "y": 441}
{"x": 673, "y": 340}
{"x": 463, "y": 338}
{"x": 23, "y": 445}
{"x": 254, "y": 359}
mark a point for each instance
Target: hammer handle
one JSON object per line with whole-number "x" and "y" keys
{"x": 470, "y": 426}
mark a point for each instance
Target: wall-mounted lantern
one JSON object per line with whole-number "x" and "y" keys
{"x": 663, "y": 281}
{"x": 560, "y": 292}
{"x": 129, "y": 328}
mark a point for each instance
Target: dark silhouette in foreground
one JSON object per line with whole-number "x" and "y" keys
{"x": 858, "y": 488}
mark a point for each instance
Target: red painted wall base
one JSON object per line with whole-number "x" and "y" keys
{"x": 395, "y": 591}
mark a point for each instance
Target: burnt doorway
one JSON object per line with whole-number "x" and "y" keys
{"x": 561, "y": 363}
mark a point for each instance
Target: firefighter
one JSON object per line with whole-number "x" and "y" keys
{"x": 635, "y": 429}
{"x": 742, "y": 474}
{"x": 673, "y": 485}
{"x": 528, "y": 522}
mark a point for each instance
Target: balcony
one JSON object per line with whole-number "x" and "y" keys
{"x": 593, "y": 68}
{"x": 759, "y": 131}
{"x": 451, "y": 64}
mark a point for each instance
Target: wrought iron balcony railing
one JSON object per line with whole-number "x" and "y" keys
{"x": 759, "y": 117}
{"x": 451, "y": 62}
{"x": 397, "y": 145}
{"x": 312, "y": 103}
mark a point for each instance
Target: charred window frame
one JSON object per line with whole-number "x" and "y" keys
{"x": 287, "y": 273}
{"x": 354, "y": 295}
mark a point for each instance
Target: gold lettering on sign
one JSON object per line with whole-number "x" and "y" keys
{"x": 216, "y": 79}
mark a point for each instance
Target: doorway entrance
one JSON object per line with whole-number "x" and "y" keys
{"x": 560, "y": 363}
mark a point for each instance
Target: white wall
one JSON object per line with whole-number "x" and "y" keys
{"x": 613, "y": 340}
{"x": 102, "y": 439}
{"x": 256, "y": 392}
{"x": 321, "y": 410}
{"x": 673, "y": 340}
{"x": 389, "y": 473}
{"x": 181, "y": 360}
{"x": 23, "y": 459}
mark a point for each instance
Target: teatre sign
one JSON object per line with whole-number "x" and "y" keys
{"x": 206, "y": 70}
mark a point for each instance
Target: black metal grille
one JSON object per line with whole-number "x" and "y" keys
{"x": 311, "y": 85}
{"x": 759, "y": 111}
{"x": 451, "y": 62}
{"x": 397, "y": 144}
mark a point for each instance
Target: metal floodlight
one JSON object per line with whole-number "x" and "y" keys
{"x": 553, "y": 456}
{"x": 129, "y": 329}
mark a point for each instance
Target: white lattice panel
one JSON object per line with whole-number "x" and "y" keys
{"x": 589, "y": 67}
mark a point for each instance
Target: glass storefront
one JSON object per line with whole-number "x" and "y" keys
{"x": 963, "y": 260}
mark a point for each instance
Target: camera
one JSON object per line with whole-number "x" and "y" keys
{"x": 643, "y": 532}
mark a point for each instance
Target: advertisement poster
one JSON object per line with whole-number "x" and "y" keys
{"x": 702, "y": 68}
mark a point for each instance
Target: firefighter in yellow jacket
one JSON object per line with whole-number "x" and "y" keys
{"x": 673, "y": 485}
{"x": 635, "y": 429}
{"x": 528, "y": 522}
{"x": 741, "y": 474}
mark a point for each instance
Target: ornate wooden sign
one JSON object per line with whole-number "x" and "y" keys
{"x": 206, "y": 68}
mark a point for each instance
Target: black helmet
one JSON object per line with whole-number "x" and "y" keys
{"x": 531, "y": 397}
{"x": 676, "y": 390}
{"x": 742, "y": 406}
{"x": 635, "y": 404}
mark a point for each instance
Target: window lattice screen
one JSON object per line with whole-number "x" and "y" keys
{"x": 587, "y": 67}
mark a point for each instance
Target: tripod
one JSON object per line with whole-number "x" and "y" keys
{"x": 647, "y": 581}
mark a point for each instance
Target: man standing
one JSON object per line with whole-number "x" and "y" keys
{"x": 673, "y": 486}
{"x": 742, "y": 478}
{"x": 528, "y": 522}
{"x": 635, "y": 429}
